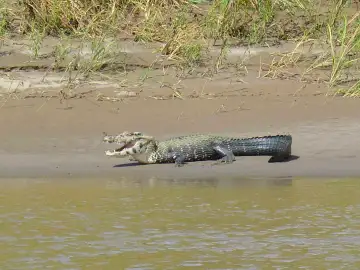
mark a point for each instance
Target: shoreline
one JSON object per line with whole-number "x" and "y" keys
{"x": 327, "y": 147}
{"x": 84, "y": 166}
{"x": 54, "y": 142}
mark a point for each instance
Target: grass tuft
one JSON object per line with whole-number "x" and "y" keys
{"x": 187, "y": 30}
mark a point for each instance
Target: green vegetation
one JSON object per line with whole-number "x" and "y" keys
{"x": 187, "y": 29}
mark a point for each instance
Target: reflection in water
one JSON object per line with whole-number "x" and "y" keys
{"x": 180, "y": 223}
{"x": 199, "y": 182}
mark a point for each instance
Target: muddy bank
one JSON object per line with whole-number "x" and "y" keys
{"x": 53, "y": 142}
{"x": 85, "y": 166}
{"x": 51, "y": 121}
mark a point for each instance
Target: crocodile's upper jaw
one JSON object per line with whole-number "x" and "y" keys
{"x": 126, "y": 136}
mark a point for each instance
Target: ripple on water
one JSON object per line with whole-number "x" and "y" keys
{"x": 299, "y": 226}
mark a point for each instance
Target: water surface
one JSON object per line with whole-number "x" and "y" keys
{"x": 180, "y": 224}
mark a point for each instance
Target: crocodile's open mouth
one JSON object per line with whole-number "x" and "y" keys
{"x": 125, "y": 146}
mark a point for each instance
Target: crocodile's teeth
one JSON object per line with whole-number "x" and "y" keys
{"x": 125, "y": 145}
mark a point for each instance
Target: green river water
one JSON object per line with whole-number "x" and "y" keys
{"x": 180, "y": 224}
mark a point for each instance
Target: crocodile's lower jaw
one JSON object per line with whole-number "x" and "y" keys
{"x": 118, "y": 152}
{"x": 113, "y": 153}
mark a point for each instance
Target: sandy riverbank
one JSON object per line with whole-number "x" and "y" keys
{"x": 54, "y": 142}
{"x": 50, "y": 127}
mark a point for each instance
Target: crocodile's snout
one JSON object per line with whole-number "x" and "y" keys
{"x": 108, "y": 140}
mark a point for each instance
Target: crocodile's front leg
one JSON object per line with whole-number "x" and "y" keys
{"x": 228, "y": 156}
{"x": 177, "y": 158}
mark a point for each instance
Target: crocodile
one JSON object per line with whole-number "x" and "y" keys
{"x": 197, "y": 147}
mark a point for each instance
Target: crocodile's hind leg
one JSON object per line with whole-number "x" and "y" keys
{"x": 279, "y": 158}
{"x": 228, "y": 156}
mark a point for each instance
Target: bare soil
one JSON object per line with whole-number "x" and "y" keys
{"x": 50, "y": 129}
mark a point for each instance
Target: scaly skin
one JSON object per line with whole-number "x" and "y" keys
{"x": 197, "y": 147}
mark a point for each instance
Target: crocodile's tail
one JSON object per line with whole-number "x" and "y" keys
{"x": 275, "y": 146}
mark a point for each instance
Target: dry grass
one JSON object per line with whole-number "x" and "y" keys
{"x": 183, "y": 27}
{"x": 187, "y": 31}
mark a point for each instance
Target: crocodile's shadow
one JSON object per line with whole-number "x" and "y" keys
{"x": 271, "y": 160}
{"x": 283, "y": 159}
{"x": 131, "y": 164}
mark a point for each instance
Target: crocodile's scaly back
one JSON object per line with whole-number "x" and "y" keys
{"x": 199, "y": 147}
